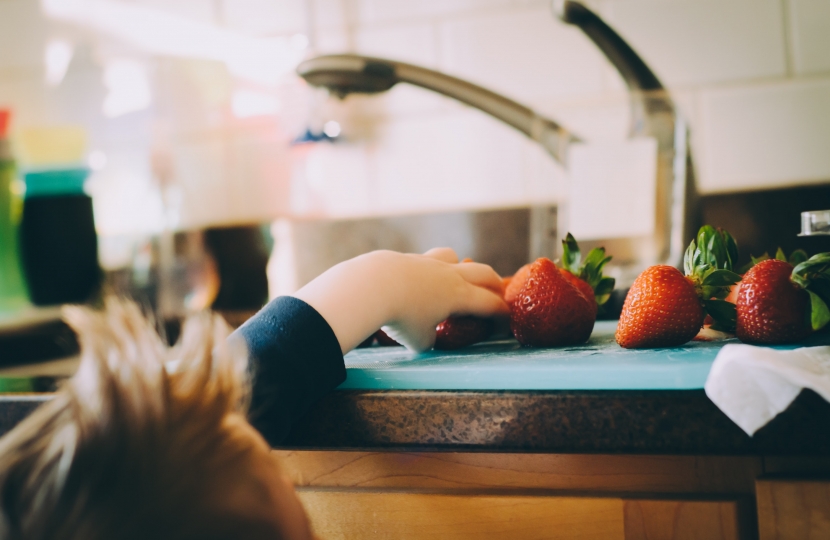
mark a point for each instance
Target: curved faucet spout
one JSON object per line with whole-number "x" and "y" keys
{"x": 635, "y": 72}
{"x": 653, "y": 115}
{"x": 345, "y": 74}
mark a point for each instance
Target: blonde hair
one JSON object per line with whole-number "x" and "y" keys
{"x": 136, "y": 444}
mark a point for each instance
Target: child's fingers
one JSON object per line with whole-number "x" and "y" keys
{"x": 483, "y": 303}
{"x": 481, "y": 275}
{"x": 443, "y": 254}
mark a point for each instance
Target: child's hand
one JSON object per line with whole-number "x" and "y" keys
{"x": 407, "y": 294}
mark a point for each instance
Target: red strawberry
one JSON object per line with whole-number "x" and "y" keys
{"x": 583, "y": 287}
{"x": 458, "y": 332}
{"x": 771, "y": 308}
{"x": 662, "y": 309}
{"x": 550, "y": 311}
{"x": 514, "y": 286}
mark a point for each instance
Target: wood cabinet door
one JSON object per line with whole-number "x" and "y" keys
{"x": 793, "y": 509}
{"x": 409, "y": 516}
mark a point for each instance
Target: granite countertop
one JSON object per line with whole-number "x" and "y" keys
{"x": 609, "y": 421}
{"x": 585, "y": 421}
{"x": 650, "y": 403}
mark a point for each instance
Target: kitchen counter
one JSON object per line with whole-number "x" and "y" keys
{"x": 641, "y": 422}
{"x": 597, "y": 397}
{"x": 497, "y": 396}
{"x": 425, "y": 446}
{"x": 655, "y": 422}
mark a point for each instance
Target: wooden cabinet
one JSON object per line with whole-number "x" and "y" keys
{"x": 402, "y": 495}
{"x": 403, "y": 516}
{"x": 793, "y": 509}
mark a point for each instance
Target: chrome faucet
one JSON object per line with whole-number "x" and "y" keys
{"x": 653, "y": 114}
{"x": 345, "y": 74}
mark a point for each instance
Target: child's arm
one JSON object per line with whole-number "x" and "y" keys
{"x": 296, "y": 344}
{"x": 408, "y": 294}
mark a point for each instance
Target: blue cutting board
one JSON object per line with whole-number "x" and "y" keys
{"x": 599, "y": 364}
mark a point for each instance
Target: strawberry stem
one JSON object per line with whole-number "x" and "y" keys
{"x": 589, "y": 270}
{"x": 796, "y": 257}
{"x": 813, "y": 275}
{"x": 709, "y": 263}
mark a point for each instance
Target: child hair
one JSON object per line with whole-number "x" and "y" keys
{"x": 140, "y": 443}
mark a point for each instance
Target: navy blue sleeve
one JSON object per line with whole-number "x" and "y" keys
{"x": 295, "y": 360}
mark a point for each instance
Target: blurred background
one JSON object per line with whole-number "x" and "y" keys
{"x": 208, "y": 156}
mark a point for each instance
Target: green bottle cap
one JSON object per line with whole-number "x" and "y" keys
{"x": 55, "y": 182}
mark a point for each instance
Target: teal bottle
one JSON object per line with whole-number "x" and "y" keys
{"x": 13, "y": 293}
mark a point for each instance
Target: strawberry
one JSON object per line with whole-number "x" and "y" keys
{"x": 779, "y": 303}
{"x": 586, "y": 290}
{"x": 665, "y": 308}
{"x": 514, "y": 286}
{"x": 796, "y": 257}
{"x": 587, "y": 275}
{"x": 457, "y": 332}
{"x": 549, "y": 310}
{"x": 662, "y": 309}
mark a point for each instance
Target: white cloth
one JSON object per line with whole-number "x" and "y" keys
{"x": 751, "y": 385}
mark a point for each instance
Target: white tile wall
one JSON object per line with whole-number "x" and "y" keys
{"x": 766, "y": 136}
{"x": 597, "y": 118}
{"x": 694, "y": 42}
{"x": 810, "y": 23}
{"x": 265, "y": 17}
{"x": 197, "y": 10}
{"x": 445, "y": 161}
{"x": 413, "y": 43}
{"x": 524, "y": 54}
{"x": 331, "y": 41}
{"x": 752, "y": 76}
{"x": 329, "y": 13}
{"x": 334, "y": 180}
{"x": 221, "y": 176}
{"x": 385, "y": 11}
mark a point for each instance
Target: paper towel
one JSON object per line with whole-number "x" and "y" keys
{"x": 751, "y": 385}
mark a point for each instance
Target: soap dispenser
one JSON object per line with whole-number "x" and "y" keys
{"x": 58, "y": 243}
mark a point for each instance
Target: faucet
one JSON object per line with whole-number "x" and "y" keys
{"x": 345, "y": 74}
{"x": 653, "y": 114}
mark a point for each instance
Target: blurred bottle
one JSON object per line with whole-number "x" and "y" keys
{"x": 58, "y": 244}
{"x": 13, "y": 294}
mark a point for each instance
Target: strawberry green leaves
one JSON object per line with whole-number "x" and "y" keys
{"x": 603, "y": 290}
{"x": 723, "y": 313}
{"x": 571, "y": 257}
{"x": 713, "y": 249}
{"x": 708, "y": 262}
{"x": 796, "y": 257}
{"x": 819, "y": 313}
{"x": 589, "y": 270}
{"x": 814, "y": 276}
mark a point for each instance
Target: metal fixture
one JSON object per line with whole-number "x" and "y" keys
{"x": 345, "y": 74}
{"x": 815, "y": 223}
{"x": 653, "y": 115}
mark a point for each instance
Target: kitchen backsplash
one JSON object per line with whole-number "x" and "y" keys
{"x": 752, "y": 77}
